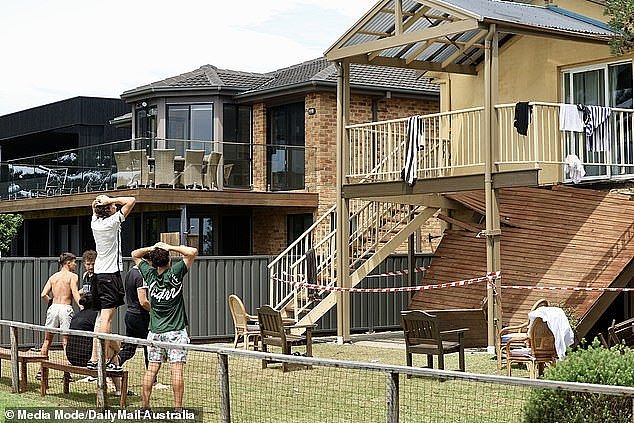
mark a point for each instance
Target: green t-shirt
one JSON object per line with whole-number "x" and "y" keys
{"x": 166, "y": 297}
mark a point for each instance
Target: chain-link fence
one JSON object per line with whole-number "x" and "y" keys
{"x": 226, "y": 384}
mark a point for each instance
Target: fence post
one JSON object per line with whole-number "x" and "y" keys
{"x": 391, "y": 397}
{"x": 15, "y": 368}
{"x": 102, "y": 387}
{"x": 223, "y": 382}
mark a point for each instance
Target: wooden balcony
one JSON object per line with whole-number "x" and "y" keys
{"x": 453, "y": 157}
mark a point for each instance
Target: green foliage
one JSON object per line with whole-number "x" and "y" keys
{"x": 9, "y": 225}
{"x": 595, "y": 364}
{"x": 621, "y": 13}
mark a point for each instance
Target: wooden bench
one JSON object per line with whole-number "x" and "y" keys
{"x": 68, "y": 368}
{"x": 24, "y": 357}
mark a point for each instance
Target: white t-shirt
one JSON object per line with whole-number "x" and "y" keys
{"x": 107, "y": 234}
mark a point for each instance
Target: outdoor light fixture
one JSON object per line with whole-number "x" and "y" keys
{"x": 311, "y": 111}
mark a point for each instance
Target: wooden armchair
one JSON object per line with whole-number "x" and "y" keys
{"x": 273, "y": 332}
{"x": 246, "y": 325}
{"x": 539, "y": 352}
{"x": 423, "y": 336}
{"x": 619, "y": 333}
{"x": 515, "y": 333}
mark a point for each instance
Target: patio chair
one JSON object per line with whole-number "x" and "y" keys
{"x": 164, "y": 167}
{"x": 210, "y": 171}
{"x": 125, "y": 172}
{"x": 540, "y": 351}
{"x": 619, "y": 333}
{"x": 193, "y": 170}
{"x": 423, "y": 336}
{"x": 516, "y": 333}
{"x": 140, "y": 168}
{"x": 227, "y": 173}
{"x": 246, "y": 325}
{"x": 273, "y": 332}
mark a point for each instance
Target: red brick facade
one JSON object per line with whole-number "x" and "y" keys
{"x": 321, "y": 156}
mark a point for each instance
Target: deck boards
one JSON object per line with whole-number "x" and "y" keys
{"x": 559, "y": 237}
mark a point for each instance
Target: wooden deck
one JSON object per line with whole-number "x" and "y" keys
{"x": 550, "y": 237}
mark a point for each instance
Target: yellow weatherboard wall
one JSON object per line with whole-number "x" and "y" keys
{"x": 530, "y": 66}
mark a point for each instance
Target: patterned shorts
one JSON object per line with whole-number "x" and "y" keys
{"x": 160, "y": 355}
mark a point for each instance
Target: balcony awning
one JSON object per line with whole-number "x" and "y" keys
{"x": 448, "y": 35}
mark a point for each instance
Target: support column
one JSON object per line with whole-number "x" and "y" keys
{"x": 184, "y": 225}
{"x": 491, "y": 196}
{"x": 343, "y": 204}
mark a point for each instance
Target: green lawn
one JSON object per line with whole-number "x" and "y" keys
{"x": 317, "y": 395}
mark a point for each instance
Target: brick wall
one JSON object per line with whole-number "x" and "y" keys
{"x": 321, "y": 155}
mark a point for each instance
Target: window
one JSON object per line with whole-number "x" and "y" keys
{"x": 285, "y": 140}
{"x": 296, "y": 225}
{"x": 603, "y": 85}
{"x": 190, "y": 122}
{"x": 236, "y": 133}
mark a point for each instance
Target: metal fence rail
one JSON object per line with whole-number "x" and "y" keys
{"x": 230, "y": 386}
{"x": 207, "y": 286}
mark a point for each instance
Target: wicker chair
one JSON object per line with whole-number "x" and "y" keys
{"x": 140, "y": 168}
{"x": 193, "y": 171}
{"x": 515, "y": 333}
{"x": 210, "y": 176}
{"x": 539, "y": 352}
{"x": 246, "y": 325}
{"x": 164, "y": 167}
{"x": 124, "y": 168}
{"x": 227, "y": 173}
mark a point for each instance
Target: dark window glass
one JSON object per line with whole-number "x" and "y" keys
{"x": 285, "y": 153}
{"x": 190, "y": 122}
{"x": 296, "y": 225}
{"x": 237, "y": 144}
{"x": 235, "y": 235}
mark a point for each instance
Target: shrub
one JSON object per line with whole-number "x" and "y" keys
{"x": 596, "y": 364}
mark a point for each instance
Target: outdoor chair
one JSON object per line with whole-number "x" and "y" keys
{"x": 539, "y": 352}
{"x": 273, "y": 332}
{"x": 164, "y": 167}
{"x": 246, "y": 325}
{"x": 619, "y": 333}
{"x": 423, "y": 336}
{"x": 515, "y": 333}
{"x": 193, "y": 171}
{"x": 210, "y": 176}
{"x": 227, "y": 173}
{"x": 140, "y": 168}
{"x": 125, "y": 171}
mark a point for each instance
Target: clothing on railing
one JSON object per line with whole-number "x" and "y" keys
{"x": 570, "y": 118}
{"x": 522, "y": 118}
{"x": 574, "y": 168}
{"x": 597, "y": 126}
{"x": 415, "y": 143}
{"x": 558, "y": 324}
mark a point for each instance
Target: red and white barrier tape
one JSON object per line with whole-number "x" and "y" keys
{"x": 565, "y": 288}
{"x": 417, "y": 269}
{"x": 490, "y": 276}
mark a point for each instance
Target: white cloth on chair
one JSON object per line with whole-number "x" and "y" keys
{"x": 415, "y": 143}
{"x": 558, "y": 324}
{"x": 574, "y": 168}
{"x": 570, "y": 118}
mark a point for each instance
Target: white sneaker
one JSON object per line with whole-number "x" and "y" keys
{"x": 159, "y": 385}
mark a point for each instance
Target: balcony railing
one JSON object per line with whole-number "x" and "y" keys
{"x": 454, "y": 145}
{"x": 158, "y": 163}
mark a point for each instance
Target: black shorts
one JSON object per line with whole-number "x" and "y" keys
{"x": 109, "y": 292}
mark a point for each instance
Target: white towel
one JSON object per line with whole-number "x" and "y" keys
{"x": 570, "y": 118}
{"x": 574, "y": 168}
{"x": 415, "y": 143}
{"x": 558, "y": 324}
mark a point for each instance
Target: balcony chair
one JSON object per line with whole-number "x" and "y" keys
{"x": 140, "y": 168}
{"x": 227, "y": 173}
{"x": 273, "y": 332}
{"x": 619, "y": 333}
{"x": 210, "y": 172}
{"x": 125, "y": 171}
{"x": 516, "y": 333}
{"x": 164, "y": 174}
{"x": 193, "y": 170}
{"x": 536, "y": 353}
{"x": 246, "y": 325}
{"x": 423, "y": 336}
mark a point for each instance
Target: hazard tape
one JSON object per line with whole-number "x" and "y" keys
{"x": 490, "y": 276}
{"x": 565, "y": 288}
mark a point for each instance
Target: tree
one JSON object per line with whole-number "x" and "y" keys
{"x": 621, "y": 14}
{"x": 9, "y": 225}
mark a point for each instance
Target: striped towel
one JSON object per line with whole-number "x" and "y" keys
{"x": 415, "y": 143}
{"x": 597, "y": 126}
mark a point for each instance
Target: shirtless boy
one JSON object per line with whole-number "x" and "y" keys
{"x": 63, "y": 285}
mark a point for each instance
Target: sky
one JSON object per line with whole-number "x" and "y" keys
{"x": 53, "y": 50}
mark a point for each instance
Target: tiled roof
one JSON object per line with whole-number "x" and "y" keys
{"x": 550, "y": 237}
{"x": 313, "y": 71}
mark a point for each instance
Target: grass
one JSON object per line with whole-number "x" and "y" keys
{"x": 317, "y": 395}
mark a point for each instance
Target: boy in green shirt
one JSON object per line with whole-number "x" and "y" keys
{"x": 168, "y": 319}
